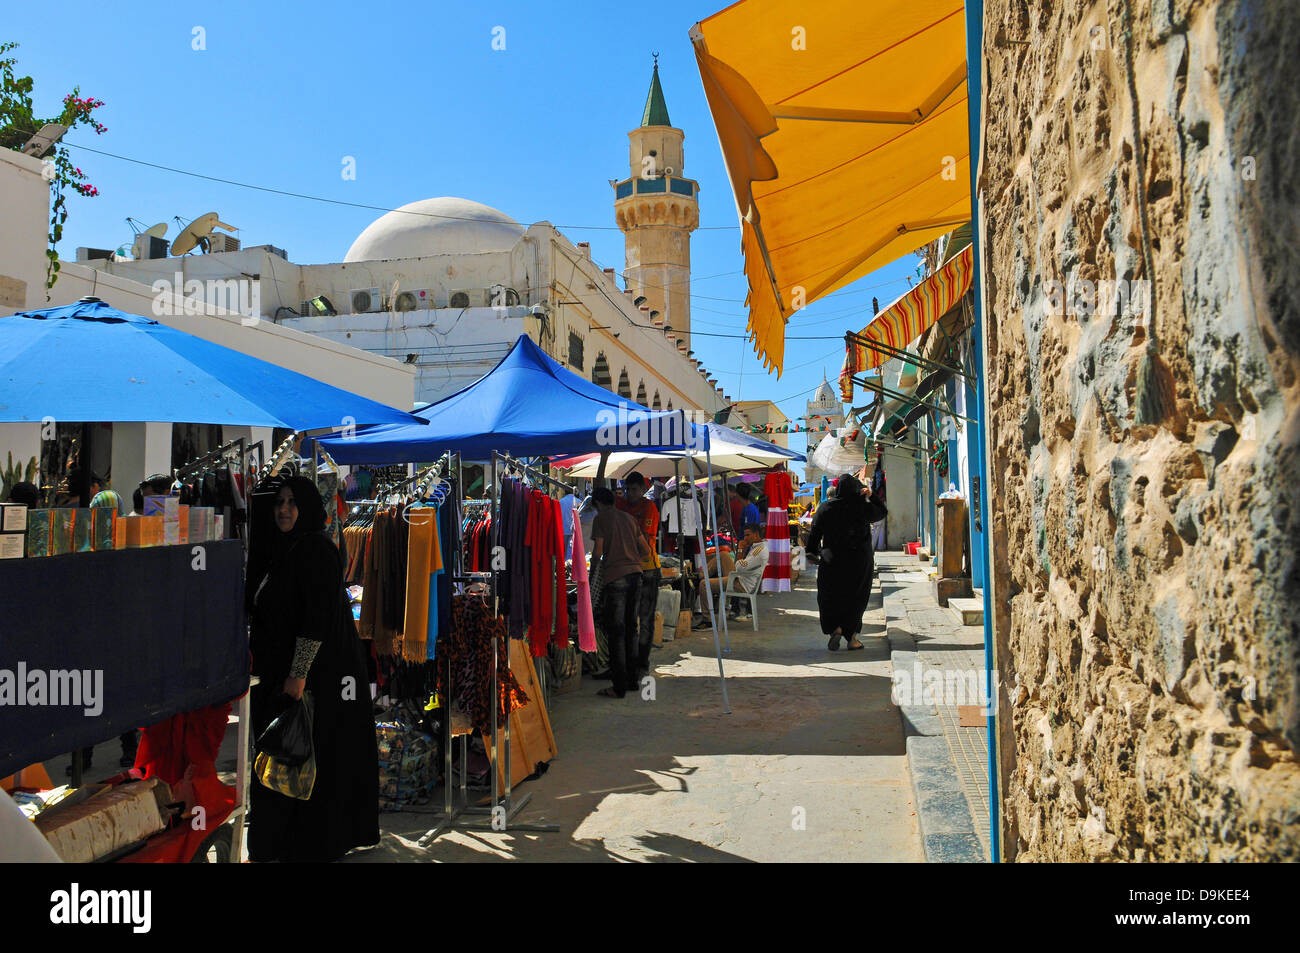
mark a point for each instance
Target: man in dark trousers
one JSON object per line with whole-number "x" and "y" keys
{"x": 646, "y": 515}
{"x": 618, "y": 546}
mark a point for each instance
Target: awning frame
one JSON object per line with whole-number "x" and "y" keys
{"x": 855, "y": 337}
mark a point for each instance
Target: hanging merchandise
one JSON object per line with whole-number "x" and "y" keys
{"x": 468, "y": 646}
{"x": 780, "y": 492}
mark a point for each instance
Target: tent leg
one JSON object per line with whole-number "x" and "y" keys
{"x": 707, "y": 592}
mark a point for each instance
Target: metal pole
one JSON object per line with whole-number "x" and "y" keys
{"x": 708, "y": 590}
{"x": 496, "y": 670}
{"x": 974, "y": 72}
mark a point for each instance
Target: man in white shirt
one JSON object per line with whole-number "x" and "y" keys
{"x": 750, "y": 562}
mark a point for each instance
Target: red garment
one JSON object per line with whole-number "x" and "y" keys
{"x": 561, "y": 634}
{"x": 186, "y": 744}
{"x": 539, "y": 537}
{"x": 737, "y": 507}
{"x": 778, "y": 489}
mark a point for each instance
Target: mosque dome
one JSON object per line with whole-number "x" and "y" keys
{"x": 825, "y": 394}
{"x": 440, "y": 226}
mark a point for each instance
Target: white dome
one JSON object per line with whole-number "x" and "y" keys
{"x": 441, "y": 226}
{"x": 825, "y": 395}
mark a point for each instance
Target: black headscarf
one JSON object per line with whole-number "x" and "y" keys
{"x": 311, "y": 511}
{"x": 848, "y": 487}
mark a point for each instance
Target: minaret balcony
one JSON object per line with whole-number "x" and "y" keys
{"x": 656, "y": 184}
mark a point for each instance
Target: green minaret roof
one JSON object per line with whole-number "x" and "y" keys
{"x": 656, "y": 110}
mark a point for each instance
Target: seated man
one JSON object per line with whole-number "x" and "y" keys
{"x": 749, "y": 566}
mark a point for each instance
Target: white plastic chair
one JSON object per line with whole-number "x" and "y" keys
{"x": 734, "y": 589}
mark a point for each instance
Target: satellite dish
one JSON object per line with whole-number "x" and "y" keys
{"x": 156, "y": 231}
{"x": 197, "y": 232}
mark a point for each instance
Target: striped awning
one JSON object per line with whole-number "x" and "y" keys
{"x": 903, "y": 321}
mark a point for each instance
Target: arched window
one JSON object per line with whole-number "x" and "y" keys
{"x": 640, "y": 393}
{"x": 656, "y": 405}
{"x": 600, "y": 372}
{"x": 624, "y": 385}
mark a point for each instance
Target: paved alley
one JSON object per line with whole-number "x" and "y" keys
{"x": 810, "y": 765}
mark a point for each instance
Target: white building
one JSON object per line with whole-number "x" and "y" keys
{"x": 128, "y": 452}
{"x": 824, "y": 409}
{"x": 446, "y": 285}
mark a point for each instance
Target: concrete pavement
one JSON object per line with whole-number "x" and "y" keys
{"x": 809, "y": 766}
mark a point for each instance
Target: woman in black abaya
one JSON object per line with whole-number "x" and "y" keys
{"x": 303, "y": 638}
{"x": 841, "y": 536}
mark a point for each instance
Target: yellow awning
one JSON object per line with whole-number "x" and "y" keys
{"x": 843, "y": 127}
{"x": 903, "y": 321}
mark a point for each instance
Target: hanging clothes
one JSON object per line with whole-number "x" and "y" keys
{"x": 780, "y": 492}
{"x": 586, "y": 621}
{"x": 423, "y": 560}
{"x": 467, "y": 646}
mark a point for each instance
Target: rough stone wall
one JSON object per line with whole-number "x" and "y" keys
{"x": 1145, "y": 575}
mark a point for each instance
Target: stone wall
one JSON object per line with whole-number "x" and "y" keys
{"x": 1145, "y": 468}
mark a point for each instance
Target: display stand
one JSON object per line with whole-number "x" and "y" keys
{"x": 502, "y": 809}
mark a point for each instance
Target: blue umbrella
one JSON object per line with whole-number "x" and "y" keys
{"x": 91, "y": 362}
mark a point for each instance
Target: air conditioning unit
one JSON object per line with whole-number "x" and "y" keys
{"x": 367, "y": 301}
{"x": 418, "y": 299}
{"x": 499, "y": 296}
{"x": 473, "y": 298}
{"x": 222, "y": 243}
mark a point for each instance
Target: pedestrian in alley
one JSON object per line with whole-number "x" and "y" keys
{"x": 618, "y": 548}
{"x": 840, "y": 538}
{"x": 646, "y": 515}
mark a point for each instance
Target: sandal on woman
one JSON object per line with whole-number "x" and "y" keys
{"x": 833, "y": 643}
{"x": 854, "y": 644}
{"x": 609, "y": 693}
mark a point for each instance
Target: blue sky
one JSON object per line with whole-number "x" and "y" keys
{"x": 418, "y": 96}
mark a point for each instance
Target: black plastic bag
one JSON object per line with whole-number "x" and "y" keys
{"x": 287, "y": 738}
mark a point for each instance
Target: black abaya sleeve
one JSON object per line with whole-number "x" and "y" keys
{"x": 813, "y": 545}
{"x": 318, "y": 583}
{"x": 876, "y": 510}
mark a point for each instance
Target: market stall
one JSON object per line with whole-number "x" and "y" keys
{"x": 117, "y": 622}
{"x": 527, "y": 406}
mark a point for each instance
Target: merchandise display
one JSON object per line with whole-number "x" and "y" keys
{"x": 108, "y": 821}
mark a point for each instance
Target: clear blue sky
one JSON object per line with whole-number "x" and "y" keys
{"x": 415, "y": 92}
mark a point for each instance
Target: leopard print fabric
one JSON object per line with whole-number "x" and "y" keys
{"x": 468, "y": 649}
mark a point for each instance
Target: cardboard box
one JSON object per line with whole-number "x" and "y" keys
{"x": 61, "y": 531}
{"x": 103, "y": 521}
{"x": 143, "y": 531}
{"x": 13, "y": 517}
{"x": 82, "y": 531}
{"x": 176, "y": 527}
{"x": 201, "y": 524}
{"x": 165, "y": 506}
{"x": 658, "y": 639}
{"x": 40, "y": 531}
{"x": 683, "y": 625}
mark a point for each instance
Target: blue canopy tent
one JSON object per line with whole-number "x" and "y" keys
{"x": 529, "y": 405}
{"x": 91, "y": 362}
{"x": 183, "y": 643}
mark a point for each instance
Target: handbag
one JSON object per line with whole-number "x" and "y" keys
{"x": 285, "y": 760}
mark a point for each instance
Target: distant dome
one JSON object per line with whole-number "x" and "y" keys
{"x": 825, "y": 395}
{"x": 441, "y": 226}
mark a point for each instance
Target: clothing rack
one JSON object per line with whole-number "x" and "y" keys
{"x": 502, "y": 810}
{"x": 282, "y": 452}
{"x": 220, "y": 453}
{"x": 512, "y": 463}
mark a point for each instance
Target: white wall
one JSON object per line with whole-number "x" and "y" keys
{"x": 24, "y": 223}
